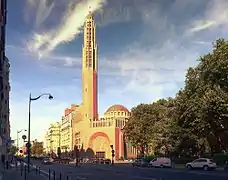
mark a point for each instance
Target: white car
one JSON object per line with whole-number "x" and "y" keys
{"x": 202, "y": 163}
{"x": 161, "y": 162}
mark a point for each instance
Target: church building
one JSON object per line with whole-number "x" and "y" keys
{"x": 85, "y": 128}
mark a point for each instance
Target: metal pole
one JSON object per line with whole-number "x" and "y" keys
{"x": 28, "y": 148}
{"x": 25, "y": 173}
{"x": 17, "y": 142}
{"x": 49, "y": 174}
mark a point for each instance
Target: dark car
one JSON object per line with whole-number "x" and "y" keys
{"x": 107, "y": 161}
{"x": 140, "y": 163}
{"x": 101, "y": 161}
{"x": 46, "y": 161}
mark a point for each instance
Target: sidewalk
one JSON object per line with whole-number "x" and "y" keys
{"x": 15, "y": 174}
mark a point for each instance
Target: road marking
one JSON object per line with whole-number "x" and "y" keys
{"x": 80, "y": 178}
{"x": 144, "y": 178}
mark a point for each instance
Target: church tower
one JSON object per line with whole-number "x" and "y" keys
{"x": 89, "y": 70}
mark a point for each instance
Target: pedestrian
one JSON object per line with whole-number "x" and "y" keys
{"x": 3, "y": 158}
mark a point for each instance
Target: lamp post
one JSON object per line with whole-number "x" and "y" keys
{"x": 18, "y": 132}
{"x": 113, "y": 153}
{"x": 29, "y": 128}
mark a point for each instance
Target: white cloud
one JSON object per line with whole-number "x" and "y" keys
{"x": 152, "y": 69}
{"x": 148, "y": 69}
{"x": 215, "y": 16}
{"x": 41, "y": 8}
{"x": 67, "y": 30}
{"x": 201, "y": 25}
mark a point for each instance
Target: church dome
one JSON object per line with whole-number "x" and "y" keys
{"x": 117, "y": 107}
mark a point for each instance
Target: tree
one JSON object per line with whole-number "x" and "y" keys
{"x": 201, "y": 106}
{"x": 149, "y": 125}
{"x": 13, "y": 150}
{"x": 37, "y": 148}
{"x": 138, "y": 130}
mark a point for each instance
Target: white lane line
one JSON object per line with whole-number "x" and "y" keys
{"x": 144, "y": 178}
{"x": 80, "y": 178}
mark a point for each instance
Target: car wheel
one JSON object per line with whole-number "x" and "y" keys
{"x": 205, "y": 168}
{"x": 189, "y": 167}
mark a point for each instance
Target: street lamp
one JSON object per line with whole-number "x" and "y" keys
{"x": 18, "y": 132}
{"x": 29, "y": 128}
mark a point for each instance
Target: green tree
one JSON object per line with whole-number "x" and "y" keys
{"x": 37, "y": 148}
{"x": 13, "y": 150}
{"x": 149, "y": 126}
{"x": 138, "y": 130}
{"x": 201, "y": 106}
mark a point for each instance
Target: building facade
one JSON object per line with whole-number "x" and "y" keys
{"x": 4, "y": 84}
{"x": 52, "y": 138}
{"x": 81, "y": 126}
{"x": 66, "y": 131}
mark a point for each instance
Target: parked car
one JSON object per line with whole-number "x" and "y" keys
{"x": 46, "y": 161}
{"x": 161, "y": 162}
{"x": 107, "y": 161}
{"x": 140, "y": 163}
{"x": 101, "y": 161}
{"x": 202, "y": 163}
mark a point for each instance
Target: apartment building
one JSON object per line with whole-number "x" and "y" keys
{"x": 52, "y": 138}
{"x": 67, "y": 130}
{"x": 4, "y": 84}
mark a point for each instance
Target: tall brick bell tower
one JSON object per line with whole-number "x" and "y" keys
{"x": 89, "y": 70}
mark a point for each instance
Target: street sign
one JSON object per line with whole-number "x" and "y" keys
{"x": 28, "y": 145}
{"x": 24, "y": 137}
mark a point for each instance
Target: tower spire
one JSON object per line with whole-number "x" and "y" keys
{"x": 89, "y": 69}
{"x": 90, "y": 12}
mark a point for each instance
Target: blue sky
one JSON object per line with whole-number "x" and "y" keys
{"x": 145, "y": 47}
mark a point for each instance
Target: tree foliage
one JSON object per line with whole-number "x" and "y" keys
{"x": 37, "y": 148}
{"x": 196, "y": 120}
{"x": 13, "y": 150}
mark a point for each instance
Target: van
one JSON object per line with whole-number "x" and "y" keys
{"x": 161, "y": 162}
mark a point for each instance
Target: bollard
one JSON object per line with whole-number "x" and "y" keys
{"x": 67, "y": 177}
{"x": 60, "y": 176}
{"x": 49, "y": 174}
{"x": 21, "y": 167}
{"x": 36, "y": 170}
{"x": 25, "y": 173}
{"x": 53, "y": 175}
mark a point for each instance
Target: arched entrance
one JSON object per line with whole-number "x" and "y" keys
{"x": 99, "y": 142}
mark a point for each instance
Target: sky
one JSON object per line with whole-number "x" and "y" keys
{"x": 144, "y": 46}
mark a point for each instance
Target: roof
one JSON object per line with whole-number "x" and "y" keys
{"x": 117, "y": 107}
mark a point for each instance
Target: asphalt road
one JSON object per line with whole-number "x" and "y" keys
{"x": 127, "y": 172}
